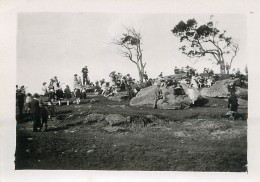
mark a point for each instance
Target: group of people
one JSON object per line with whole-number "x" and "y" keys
{"x": 34, "y": 106}
{"x": 117, "y": 83}
{"x": 41, "y": 107}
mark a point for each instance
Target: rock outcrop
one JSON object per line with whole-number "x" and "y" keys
{"x": 220, "y": 89}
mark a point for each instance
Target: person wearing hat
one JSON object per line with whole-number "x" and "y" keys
{"x": 35, "y": 110}
{"x": 85, "y": 75}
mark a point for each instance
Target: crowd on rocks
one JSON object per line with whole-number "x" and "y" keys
{"x": 53, "y": 92}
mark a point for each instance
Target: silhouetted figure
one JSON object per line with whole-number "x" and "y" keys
{"x": 233, "y": 102}
{"x": 20, "y": 101}
{"x": 36, "y": 115}
{"x": 85, "y": 75}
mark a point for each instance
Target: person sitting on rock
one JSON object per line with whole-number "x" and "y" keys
{"x": 178, "y": 90}
{"x": 176, "y": 70}
{"x": 145, "y": 76}
{"x": 158, "y": 95}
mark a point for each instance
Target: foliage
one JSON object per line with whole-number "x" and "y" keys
{"x": 130, "y": 47}
{"x": 206, "y": 39}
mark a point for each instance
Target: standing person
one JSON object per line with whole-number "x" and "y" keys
{"x": 158, "y": 95}
{"x": 75, "y": 82}
{"x": 85, "y": 75}
{"x": 36, "y": 112}
{"x": 43, "y": 114}
{"x": 20, "y": 102}
{"x": 78, "y": 95}
{"x": 67, "y": 94}
{"x": 84, "y": 93}
{"x": 44, "y": 89}
{"x": 233, "y": 102}
{"x": 51, "y": 90}
{"x": 28, "y": 101}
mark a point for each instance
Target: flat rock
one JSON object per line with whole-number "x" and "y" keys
{"x": 94, "y": 118}
{"x": 115, "y": 119}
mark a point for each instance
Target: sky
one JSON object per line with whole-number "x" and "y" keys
{"x": 60, "y": 44}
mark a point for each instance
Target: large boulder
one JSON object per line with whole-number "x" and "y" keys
{"x": 146, "y": 97}
{"x": 115, "y": 119}
{"x": 220, "y": 89}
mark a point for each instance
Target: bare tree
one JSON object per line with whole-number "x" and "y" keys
{"x": 130, "y": 47}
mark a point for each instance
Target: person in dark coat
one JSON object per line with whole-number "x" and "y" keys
{"x": 85, "y": 75}
{"x": 67, "y": 92}
{"x": 20, "y": 101}
{"x": 78, "y": 96}
{"x": 35, "y": 110}
{"x": 233, "y": 102}
{"x": 44, "y": 113}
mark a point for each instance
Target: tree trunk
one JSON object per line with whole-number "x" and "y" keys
{"x": 141, "y": 72}
{"x": 222, "y": 66}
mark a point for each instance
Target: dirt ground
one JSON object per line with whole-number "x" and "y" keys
{"x": 195, "y": 139}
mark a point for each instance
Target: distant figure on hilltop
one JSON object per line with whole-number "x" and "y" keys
{"x": 85, "y": 75}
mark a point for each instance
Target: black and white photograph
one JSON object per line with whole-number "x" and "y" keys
{"x": 153, "y": 92}
{"x": 128, "y": 91}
